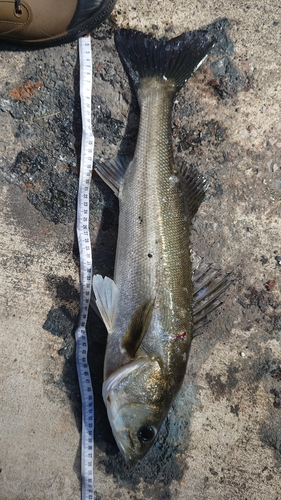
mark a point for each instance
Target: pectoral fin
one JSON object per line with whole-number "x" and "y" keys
{"x": 137, "y": 328}
{"x": 105, "y": 292}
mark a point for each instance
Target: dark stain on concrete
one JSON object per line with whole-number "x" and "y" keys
{"x": 220, "y": 388}
{"x": 262, "y": 307}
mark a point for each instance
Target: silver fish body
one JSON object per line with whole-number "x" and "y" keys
{"x": 152, "y": 260}
{"x": 148, "y": 308}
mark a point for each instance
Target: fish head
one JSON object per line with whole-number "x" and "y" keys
{"x": 137, "y": 398}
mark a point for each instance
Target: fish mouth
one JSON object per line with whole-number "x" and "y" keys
{"x": 121, "y": 438}
{"x": 126, "y": 447}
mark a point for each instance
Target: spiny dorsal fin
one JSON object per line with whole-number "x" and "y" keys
{"x": 208, "y": 285}
{"x": 194, "y": 186}
{"x": 137, "y": 328}
{"x": 112, "y": 171}
{"x": 105, "y": 292}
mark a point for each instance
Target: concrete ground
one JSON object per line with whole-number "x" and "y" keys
{"x": 222, "y": 439}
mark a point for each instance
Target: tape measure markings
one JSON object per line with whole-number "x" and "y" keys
{"x": 84, "y": 243}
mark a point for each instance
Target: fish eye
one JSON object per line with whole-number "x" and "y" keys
{"x": 146, "y": 434}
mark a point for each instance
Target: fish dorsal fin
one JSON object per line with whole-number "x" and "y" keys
{"x": 112, "y": 171}
{"x": 208, "y": 285}
{"x": 137, "y": 328}
{"x": 105, "y": 292}
{"x": 194, "y": 186}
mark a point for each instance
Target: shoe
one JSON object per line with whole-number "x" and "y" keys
{"x": 50, "y": 22}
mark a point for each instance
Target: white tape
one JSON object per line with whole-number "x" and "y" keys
{"x": 83, "y": 211}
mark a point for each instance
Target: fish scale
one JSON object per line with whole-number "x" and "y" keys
{"x": 147, "y": 191}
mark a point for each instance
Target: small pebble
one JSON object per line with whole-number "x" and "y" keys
{"x": 269, "y": 285}
{"x": 272, "y": 141}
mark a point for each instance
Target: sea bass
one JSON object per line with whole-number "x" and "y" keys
{"x": 149, "y": 307}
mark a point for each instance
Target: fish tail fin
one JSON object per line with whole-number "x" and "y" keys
{"x": 175, "y": 60}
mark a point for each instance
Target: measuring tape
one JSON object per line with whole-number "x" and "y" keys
{"x": 83, "y": 211}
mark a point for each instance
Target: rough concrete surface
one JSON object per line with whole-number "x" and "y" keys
{"x": 223, "y": 436}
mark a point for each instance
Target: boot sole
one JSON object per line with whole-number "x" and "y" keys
{"x": 83, "y": 29}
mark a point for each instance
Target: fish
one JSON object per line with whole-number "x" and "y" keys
{"x": 154, "y": 304}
